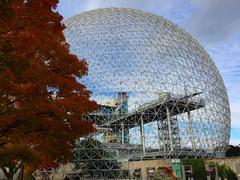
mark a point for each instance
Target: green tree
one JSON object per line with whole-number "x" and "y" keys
{"x": 225, "y": 171}
{"x": 198, "y": 168}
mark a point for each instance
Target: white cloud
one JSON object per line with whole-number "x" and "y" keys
{"x": 172, "y": 9}
{"x": 214, "y": 20}
{"x": 235, "y": 111}
{"x": 208, "y": 20}
{"x": 235, "y": 141}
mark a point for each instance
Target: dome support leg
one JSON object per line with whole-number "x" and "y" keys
{"x": 169, "y": 129}
{"x": 191, "y": 131}
{"x": 142, "y": 134}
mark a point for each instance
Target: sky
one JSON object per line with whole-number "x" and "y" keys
{"x": 214, "y": 23}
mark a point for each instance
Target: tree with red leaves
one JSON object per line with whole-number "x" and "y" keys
{"x": 41, "y": 102}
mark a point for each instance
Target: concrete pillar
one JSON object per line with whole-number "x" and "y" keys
{"x": 142, "y": 134}
{"x": 191, "y": 131}
{"x": 169, "y": 129}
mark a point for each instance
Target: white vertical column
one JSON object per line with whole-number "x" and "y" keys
{"x": 169, "y": 129}
{"x": 142, "y": 134}
{"x": 191, "y": 131}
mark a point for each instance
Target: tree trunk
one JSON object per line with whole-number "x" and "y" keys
{"x": 10, "y": 176}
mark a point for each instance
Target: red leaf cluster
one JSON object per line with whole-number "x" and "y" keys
{"x": 41, "y": 102}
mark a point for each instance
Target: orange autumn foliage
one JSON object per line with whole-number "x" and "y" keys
{"x": 41, "y": 102}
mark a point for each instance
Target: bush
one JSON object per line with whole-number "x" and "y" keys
{"x": 225, "y": 171}
{"x": 198, "y": 168}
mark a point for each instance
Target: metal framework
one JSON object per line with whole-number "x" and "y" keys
{"x": 161, "y": 94}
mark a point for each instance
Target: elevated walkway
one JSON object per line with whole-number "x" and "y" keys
{"x": 153, "y": 111}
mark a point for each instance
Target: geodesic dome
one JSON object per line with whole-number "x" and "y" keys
{"x": 161, "y": 93}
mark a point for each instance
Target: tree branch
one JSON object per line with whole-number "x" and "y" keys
{"x": 11, "y": 126}
{"x": 21, "y": 27}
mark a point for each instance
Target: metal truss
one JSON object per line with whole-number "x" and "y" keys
{"x": 161, "y": 93}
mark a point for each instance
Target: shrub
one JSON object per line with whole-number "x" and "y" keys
{"x": 198, "y": 168}
{"x": 225, "y": 171}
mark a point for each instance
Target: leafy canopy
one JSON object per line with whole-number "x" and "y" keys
{"x": 41, "y": 102}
